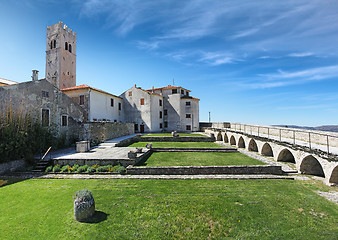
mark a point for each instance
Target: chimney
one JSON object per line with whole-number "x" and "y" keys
{"x": 35, "y": 74}
{"x": 152, "y": 89}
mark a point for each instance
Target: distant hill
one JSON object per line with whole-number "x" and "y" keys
{"x": 327, "y": 128}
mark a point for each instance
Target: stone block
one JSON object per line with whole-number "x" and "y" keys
{"x": 82, "y": 146}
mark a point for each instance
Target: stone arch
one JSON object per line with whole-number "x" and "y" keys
{"x": 253, "y": 146}
{"x": 334, "y": 176}
{"x": 286, "y": 156}
{"x": 232, "y": 140}
{"x": 311, "y": 166}
{"x": 267, "y": 150}
{"x": 226, "y": 139}
{"x": 219, "y": 137}
{"x": 241, "y": 143}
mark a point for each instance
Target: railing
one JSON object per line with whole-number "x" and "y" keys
{"x": 314, "y": 140}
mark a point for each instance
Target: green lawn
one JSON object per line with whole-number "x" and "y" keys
{"x": 168, "y": 209}
{"x": 159, "y": 159}
{"x": 178, "y": 144}
{"x": 169, "y": 135}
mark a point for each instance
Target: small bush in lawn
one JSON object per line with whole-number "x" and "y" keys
{"x": 91, "y": 170}
{"x": 82, "y": 169}
{"x": 102, "y": 169}
{"x": 65, "y": 168}
{"x": 56, "y": 168}
{"x": 75, "y": 167}
{"x": 49, "y": 169}
{"x": 110, "y": 168}
{"x": 120, "y": 169}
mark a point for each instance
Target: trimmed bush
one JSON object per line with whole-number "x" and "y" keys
{"x": 120, "y": 169}
{"x": 91, "y": 170}
{"x": 82, "y": 169}
{"x": 56, "y": 168}
{"x": 49, "y": 169}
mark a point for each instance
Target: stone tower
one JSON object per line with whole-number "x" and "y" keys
{"x": 61, "y": 56}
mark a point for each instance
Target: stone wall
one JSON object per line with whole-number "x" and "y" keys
{"x": 102, "y": 131}
{"x": 12, "y": 166}
{"x": 175, "y": 139}
{"x": 195, "y": 170}
{"x": 204, "y": 125}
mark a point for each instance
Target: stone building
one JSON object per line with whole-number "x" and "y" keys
{"x": 100, "y": 105}
{"x": 161, "y": 109}
{"x": 61, "y": 56}
{"x": 144, "y": 109}
{"x": 44, "y": 102}
{"x": 180, "y": 110}
{"x": 4, "y": 82}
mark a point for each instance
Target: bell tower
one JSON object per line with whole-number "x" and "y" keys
{"x": 61, "y": 56}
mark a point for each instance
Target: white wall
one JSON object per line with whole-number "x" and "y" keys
{"x": 100, "y": 107}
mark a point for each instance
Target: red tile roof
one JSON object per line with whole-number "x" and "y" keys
{"x": 84, "y": 86}
{"x": 188, "y": 97}
{"x": 150, "y": 92}
{"x": 169, "y": 87}
{"x": 7, "y": 82}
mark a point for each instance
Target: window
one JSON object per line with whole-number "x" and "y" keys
{"x": 81, "y": 99}
{"x": 136, "y": 127}
{"x": 187, "y": 93}
{"x": 160, "y": 114}
{"x": 187, "y": 103}
{"x": 53, "y": 44}
{"x": 45, "y": 94}
{"x": 188, "y": 127}
{"x": 130, "y": 93}
{"x": 70, "y": 48}
{"x": 45, "y": 117}
{"x": 142, "y": 101}
{"x": 174, "y": 91}
{"x": 161, "y": 125}
{"x": 188, "y": 115}
{"x": 182, "y": 91}
{"x": 120, "y": 106}
{"x": 165, "y": 124}
{"x": 115, "y": 120}
{"x": 165, "y": 112}
{"x": 66, "y": 45}
{"x": 64, "y": 120}
{"x": 160, "y": 102}
{"x": 112, "y": 102}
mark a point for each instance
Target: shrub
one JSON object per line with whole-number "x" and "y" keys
{"x": 91, "y": 169}
{"x": 56, "y": 168}
{"x": 95, "y": 166}
{"x": 102, "y": 169}
{"x": 49, "y": 169}
{"x": 82, "y": 169}
{"x": 65, "y": 168}
{"x": 120, "y": 169}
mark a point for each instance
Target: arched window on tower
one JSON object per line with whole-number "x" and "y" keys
{"x": 66, "y": 45}
{"x": 53, "y": 44}
{"x": 70, "y": 48}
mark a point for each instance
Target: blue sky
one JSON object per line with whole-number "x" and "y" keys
{"x": 256, "y": 62}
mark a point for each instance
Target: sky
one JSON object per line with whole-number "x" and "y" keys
{"x": 256, "y": 62}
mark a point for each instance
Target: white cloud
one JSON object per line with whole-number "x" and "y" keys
{"x": 302, "y": 54}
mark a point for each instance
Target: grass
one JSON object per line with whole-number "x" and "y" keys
{"x": 167, "y": 209}
{"x": 169, "y": 135}
{"x": 178, "y": 144}
{"x": 160, "y": 159}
